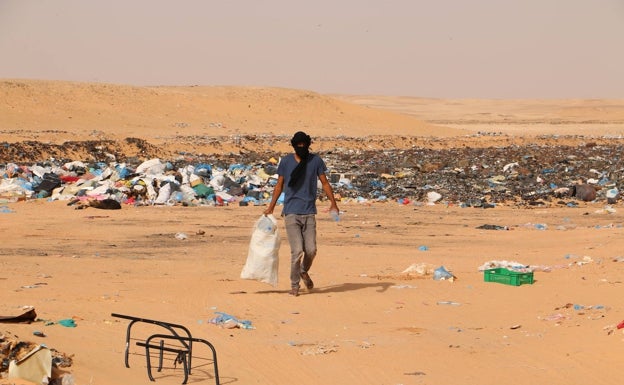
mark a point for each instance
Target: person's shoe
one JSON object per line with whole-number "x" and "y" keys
{"x": 307, "y": 280}
{"x": 294, "y": 292}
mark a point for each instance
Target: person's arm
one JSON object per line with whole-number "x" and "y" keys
{"x": 277, "y": 191}
{"x": 327, "y": 188}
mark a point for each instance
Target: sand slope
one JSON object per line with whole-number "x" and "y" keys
{"x": 29, "y": 108}
{"x": 42, "y": 116}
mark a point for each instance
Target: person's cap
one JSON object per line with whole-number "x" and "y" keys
{"x": 300, "y": 137}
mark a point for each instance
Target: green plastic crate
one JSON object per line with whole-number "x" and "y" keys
{"x": 507, "y": 277}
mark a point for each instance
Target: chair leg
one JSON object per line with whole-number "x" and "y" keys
{"x": 149, "y": 364}
{"x": 182, "y": 357}
{"x": 160, "y": 356}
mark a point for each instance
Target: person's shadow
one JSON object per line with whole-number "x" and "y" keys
{"x": 348, "y": 286}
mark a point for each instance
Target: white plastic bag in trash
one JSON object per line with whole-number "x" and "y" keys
{"x": 263, "y": 257}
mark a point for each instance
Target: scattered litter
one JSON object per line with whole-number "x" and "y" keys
{"x": 441, "y": 274}
{"x": 492, "y": 227}
{"x": 181, "y": 236}
{"x": 320, "y": 349}
{"x": 579, "y": 307}
{"x": 230, "y": 322}
{"x": 448, "y": 303}
{"x": 27, "y": 314}
{"x": 510, "y": 265}
{"x": 6, "y": 210}
{"x": 68, "y": 323}
{"x": 415, "y": 374}
{"x": 420, "y": 269}
{"x": 605, "y": 210}
{"x": 34, "y": 285}
{"x": 569, "y": 310}
{"x": 579, "y": 261}
{"x": 555, "y": 317}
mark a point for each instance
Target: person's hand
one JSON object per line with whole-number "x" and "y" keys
{"x": 268, "y": 211}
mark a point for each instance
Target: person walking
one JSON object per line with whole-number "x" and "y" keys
{"x": 298, "y": 173}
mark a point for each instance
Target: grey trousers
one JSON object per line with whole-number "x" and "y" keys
{"x": 301, "y": 232}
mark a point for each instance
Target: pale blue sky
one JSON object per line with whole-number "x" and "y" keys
{"x": 434, "y": 48}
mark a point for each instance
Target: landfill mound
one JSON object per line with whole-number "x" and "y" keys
{"x": 136, "y": 173}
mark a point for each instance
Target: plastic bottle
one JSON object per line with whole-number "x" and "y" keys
{"x": 335, "y": 215}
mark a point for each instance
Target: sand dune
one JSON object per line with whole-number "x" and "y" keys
{"x": 78, "y": 110}
{"x": 222, "y": 120}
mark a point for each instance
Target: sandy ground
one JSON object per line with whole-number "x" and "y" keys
{"x": 366, "y": 322}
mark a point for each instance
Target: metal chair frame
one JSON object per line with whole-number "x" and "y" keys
{"x": 185, "y": 354}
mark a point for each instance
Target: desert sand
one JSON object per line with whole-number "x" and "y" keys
{"x": 366, "y": 321}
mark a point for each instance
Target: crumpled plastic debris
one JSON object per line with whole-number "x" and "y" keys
{"x": 420, "y": 269}
{"x": 228, "y": 321}
{"x": 514, "y": 266}
{"x": 510, "y": 265}
{"x": 442, "y": 274}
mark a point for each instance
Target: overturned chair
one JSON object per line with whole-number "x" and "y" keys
{"x": 182, "y": 345}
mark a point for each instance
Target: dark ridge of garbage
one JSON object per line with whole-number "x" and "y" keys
{"x": 96, "y": 150}
{"x": 476, "y": 176}
{"x": 465, "y": 174}
{"x": 220, "y": 147}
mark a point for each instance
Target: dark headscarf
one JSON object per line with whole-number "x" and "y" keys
{"x": 303, "y": 153}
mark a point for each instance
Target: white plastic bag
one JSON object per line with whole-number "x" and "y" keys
{"x": 263, "y": 257}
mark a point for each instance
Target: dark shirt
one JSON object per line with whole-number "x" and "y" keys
{"x": 302, "y": 199}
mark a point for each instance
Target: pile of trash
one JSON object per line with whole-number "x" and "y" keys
{"x": 471, "y": 177}
{"x": 152, "y": 182}
{"x": 32, "y": 361}
{"x": 29, "y": 360}
{"x": 480, "y": 176}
